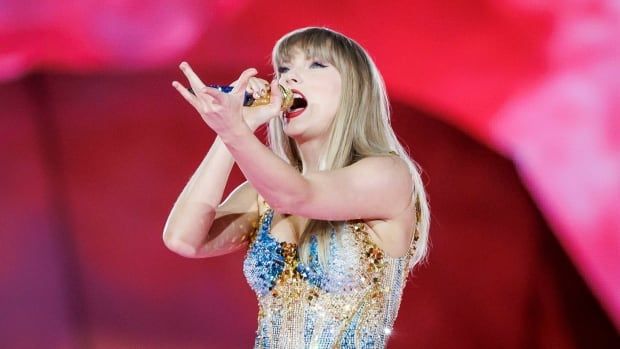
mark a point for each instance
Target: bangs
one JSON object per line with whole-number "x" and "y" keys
{"x": 317, "y": 44}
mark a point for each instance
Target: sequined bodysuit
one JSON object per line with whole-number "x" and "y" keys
{"x": 352, "y": 303}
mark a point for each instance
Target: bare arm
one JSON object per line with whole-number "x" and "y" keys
{"x": 198, "y": 226}
{"x": 372, "y": 188}
{"x": 377, "y": 187}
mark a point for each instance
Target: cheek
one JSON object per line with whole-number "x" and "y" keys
{"x": 332, "y": 88}
{"x": 335, "y": 94}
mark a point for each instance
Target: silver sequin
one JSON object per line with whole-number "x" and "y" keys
{"x": 353, "y": 303}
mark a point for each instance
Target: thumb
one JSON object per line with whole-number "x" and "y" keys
{"x": 276, "y": 93}
{"x": 243, "y": 80}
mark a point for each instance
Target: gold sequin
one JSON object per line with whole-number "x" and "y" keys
{"x": 369, "y": 304}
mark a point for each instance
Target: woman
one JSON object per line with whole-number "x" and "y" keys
{"x": 334, "y": 212}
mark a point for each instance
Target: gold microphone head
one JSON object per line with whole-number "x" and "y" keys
{"x": 287, "y": 98}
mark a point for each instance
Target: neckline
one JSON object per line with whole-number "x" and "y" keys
{"x": 351, "y": 226}
{"x": 271, "y": 212}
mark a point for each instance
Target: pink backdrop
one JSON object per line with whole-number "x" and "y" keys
{"x": 511, "y": 107}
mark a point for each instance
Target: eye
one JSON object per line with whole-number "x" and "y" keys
{"x": 317, "y": 64}
{"x": 282, "y": 70}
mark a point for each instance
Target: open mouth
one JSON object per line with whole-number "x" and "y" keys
{"x": 299, "y": 105}
{"x": 298, "y": 102}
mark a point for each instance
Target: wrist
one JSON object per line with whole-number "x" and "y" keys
{"x": 240, "y": 131}
{"x": 250, "y": 125}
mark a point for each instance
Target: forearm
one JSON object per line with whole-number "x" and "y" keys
{"x": 192, "y": 214}
{"x": 279, "y": 183}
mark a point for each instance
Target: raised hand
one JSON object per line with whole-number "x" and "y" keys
{"x": 258, "y": 115}
{"x": 221, "y": 111}
{"x": 224, "y": 111}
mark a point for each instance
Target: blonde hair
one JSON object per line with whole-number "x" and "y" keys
{"x": 360, "y": 128}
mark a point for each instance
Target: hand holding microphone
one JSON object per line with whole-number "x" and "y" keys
{"x": 217, "y": 103}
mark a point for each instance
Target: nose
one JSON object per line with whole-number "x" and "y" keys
{"x": 291, "y": 78}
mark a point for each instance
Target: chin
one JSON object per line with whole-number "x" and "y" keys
{"x": 297, "y": 132}
{"x": 293, "y": 133}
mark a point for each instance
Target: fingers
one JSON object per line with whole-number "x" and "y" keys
{"x": 184, "y": 92}
{"x": 195, "y": 100}
{"x": 200, "y": 96}
{"x": 214, "y": 93}
{"x": 257, "y": 87}
{"x": 193, "y": 79}
{"x": 242, "y": 82}
{"x": 276, "y": 94}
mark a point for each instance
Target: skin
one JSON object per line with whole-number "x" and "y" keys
{"x": 375, "y": 189}
{"x": 321, "y": 85}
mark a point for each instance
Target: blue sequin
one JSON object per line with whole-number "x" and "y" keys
{"x": 265, "y": 262}
{"x": 313, "y": 272}
{"x": 339, "y": 305}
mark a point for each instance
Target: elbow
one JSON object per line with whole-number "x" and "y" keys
{"x": 185, "y": 236}
{"x": 180, "y": 247}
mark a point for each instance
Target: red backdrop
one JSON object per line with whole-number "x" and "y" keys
{"x": 511, "y": 107}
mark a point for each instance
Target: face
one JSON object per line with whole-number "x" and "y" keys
{"x": 319, "y": 84}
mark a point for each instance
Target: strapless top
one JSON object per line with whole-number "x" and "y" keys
{"x": 351, "y": 303}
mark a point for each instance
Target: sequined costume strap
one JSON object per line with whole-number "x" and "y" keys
{"x": 264, "y": 217}
{"x": 416, "y": 235}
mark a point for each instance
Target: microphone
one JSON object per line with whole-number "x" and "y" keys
{"x": 250, "y": 101}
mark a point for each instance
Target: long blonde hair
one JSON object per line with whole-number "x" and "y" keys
{"x": 360, "y": 128}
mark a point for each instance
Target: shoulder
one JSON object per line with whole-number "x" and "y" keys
{"x": 387, "y": 171}
{"x": 374, "y": 187}
{"x": 388, "y": 161}
{"x": 393, "y": 234}
{"x": 388, "y": 179}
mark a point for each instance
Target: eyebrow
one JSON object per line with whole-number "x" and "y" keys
{"x": 307, "y": 58}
